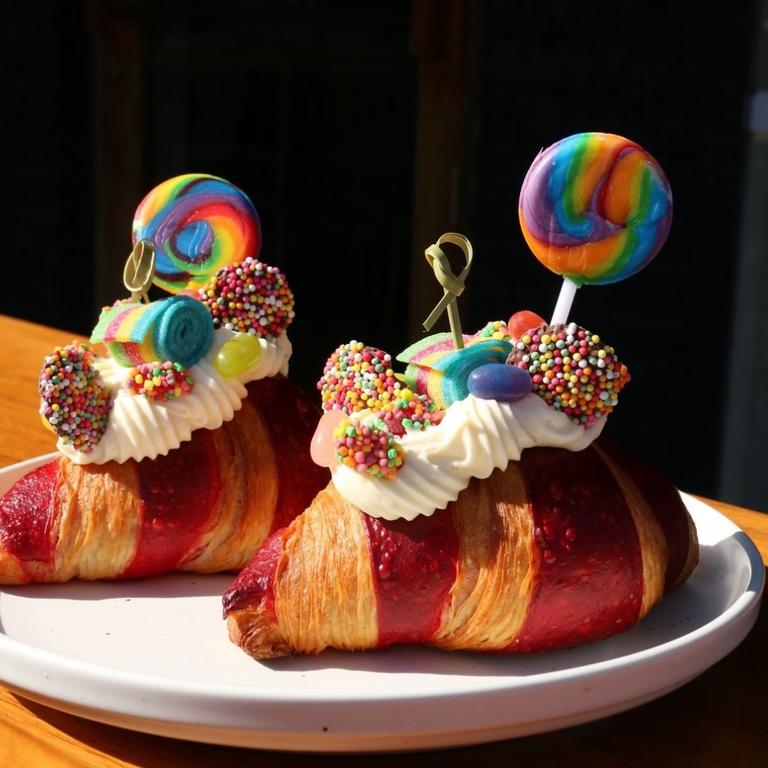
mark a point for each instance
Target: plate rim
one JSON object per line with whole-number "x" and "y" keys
{"x": 740, "y": 615}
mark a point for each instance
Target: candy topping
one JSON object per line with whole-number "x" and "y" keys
{"x": 237, "y": 355}
{"x": 159, "y": 381}
{"x": 437, "y": 369}
{"x": 177, "y": 328}
{"x": 497, "y": 381}
{"x": 357, "y": 377}
{"x": 251, "y": 297}
{"x": 409, "y": 412}
{"x": 496, "y": 329}
{"x": 595, "y": 208}
{"x": 322, "y": 449}
{"x": 523, "y": 321}
{"x": 571, "y": 370}
{"x": 197, "y": 224}
{"x": 74, "y": 401}
{"x": 368, "y": 447}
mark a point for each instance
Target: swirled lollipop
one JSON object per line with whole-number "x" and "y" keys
{"x": 595, "y": 208}
{"x": 197, "y": 224}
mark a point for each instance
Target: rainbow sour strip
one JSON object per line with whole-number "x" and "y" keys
{"x": 437, "y": 369}
{"x": 125, "y": 330}
{"x": 178, "y": 329}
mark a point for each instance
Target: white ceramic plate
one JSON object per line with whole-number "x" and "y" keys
{"x": 154, "y": 656}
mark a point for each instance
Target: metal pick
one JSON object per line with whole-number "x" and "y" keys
{"x": 139, "y": 270}
{"x": 453, "y": 285}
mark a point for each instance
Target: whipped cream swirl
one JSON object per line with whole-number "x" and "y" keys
{"x": 475, "y": 437}
{"x": 140, "y": 428}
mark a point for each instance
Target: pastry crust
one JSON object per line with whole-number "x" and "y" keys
{"x": 324, "y": 592}
{"x": 98, "y": 522}
{"x": 241, "y": 524}
{"x": 205, "y": 507}
{"x": 532, "y": 568}
{"x": 494, "y": 583}
{"x": 653, "y": 545}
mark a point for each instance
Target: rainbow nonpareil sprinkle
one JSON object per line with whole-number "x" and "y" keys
{"x": 250, "y": 297}
{"x": 409, "y": 412}
{"x": 496, "y": 329}
{"x": 73, "y": 400}
{"x": 571, "y": 370}
{"x": 357, "y": 377}
{"x": 369, "y": 448}
{"x": 159, "y": 381}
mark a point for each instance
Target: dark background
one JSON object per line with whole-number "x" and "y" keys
{"x": 362, "y": 131}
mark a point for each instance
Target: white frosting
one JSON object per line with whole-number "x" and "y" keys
{"x": 140, "y": 428}
{"x": 475, "y": 437}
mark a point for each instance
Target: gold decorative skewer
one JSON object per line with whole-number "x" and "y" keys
{"x": 139, "y": 270}
{"x": 453, "y": 285}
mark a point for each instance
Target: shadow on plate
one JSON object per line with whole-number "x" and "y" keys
{"x": 174, "y": 585}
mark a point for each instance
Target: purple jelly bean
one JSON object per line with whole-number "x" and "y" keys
{"x": 498, "y": 381}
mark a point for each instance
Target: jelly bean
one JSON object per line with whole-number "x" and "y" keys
{"x": 237, "y": 355}
{"x": 323, "y": 446}
{"x": 498, "y": 381}
{"x": 523, "y": 321}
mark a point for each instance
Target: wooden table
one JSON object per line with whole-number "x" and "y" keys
{"x": 719, "y": 719}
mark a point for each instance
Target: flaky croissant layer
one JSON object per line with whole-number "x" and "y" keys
{"x": 204, "y": 507}
{"x": 559, "y": 549}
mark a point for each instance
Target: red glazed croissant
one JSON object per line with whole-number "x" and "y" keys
{"x": 559, "y": 549}
{"x": 204, "y": 507}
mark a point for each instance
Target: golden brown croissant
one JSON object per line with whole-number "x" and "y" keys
{"x": 204, "y": 507}
{"x": 559, "y": 549}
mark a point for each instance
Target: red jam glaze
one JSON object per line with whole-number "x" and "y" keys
{"x": 667, "y": 506}
{"x": 254, "y": 587}
{"x": 414, "y": 567}
{"x": 177, "y": 492}
{"x": 290, "y": 418}
{"x": 589, "y": 583}
{"x": 26, "y": 514}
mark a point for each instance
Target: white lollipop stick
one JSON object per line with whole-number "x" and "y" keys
{"x": 564, "y": 302}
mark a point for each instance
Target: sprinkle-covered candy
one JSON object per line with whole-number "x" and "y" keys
{"x": 159, "y": 381}
{"x": 496, "y": 329}
{"x": 368, "y": 447}
{"x": 571, "y": 370}
{"x": 250, "y": 297}
{"x": 73, "y": 400}
{"x": 409, "y": 412}
{"x": 357, "y": 377}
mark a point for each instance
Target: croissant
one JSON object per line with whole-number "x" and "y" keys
{"x": 205, "y": 506}
{"x": 561, "y": 548}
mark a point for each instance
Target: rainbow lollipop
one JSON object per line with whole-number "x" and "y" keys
{"x": 198, "y": 224}
{"x": 595, "y": 208}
